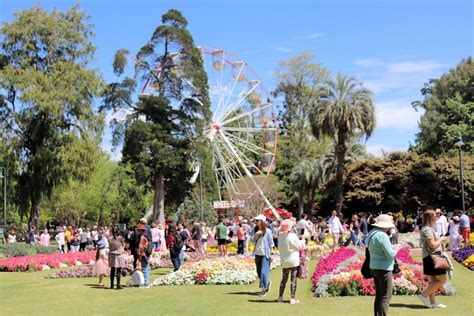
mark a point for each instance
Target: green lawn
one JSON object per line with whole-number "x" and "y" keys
{"x": 32, "y": 294}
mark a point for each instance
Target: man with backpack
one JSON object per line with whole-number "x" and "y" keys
{"x": 175, "y": 244}
{"x": 145, "y": 248}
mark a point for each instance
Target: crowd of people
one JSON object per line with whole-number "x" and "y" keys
{"x": 290, "y": 236}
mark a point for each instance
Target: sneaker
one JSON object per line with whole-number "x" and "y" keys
{"x": 144, "y": 286}
{"x": 280, "y": 299}
{"x": 425, "y": 300}
{"x": 294, "y": 301}
{"x": 268, "y": 288}
{"x": 262, "y": 294}
{"x": 438, "y": 305}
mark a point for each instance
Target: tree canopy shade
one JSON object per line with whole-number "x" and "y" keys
{"x": 46, "y": 94}
{"x": 345, "y": 110}
{"x": 161, "y": 133}
{"x": 449, "y": 111}
{"x": 404, "y": 181}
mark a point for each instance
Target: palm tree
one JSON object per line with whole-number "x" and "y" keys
{"x": 345, "y": 110}
{"x": 304, "y": 178}
{"x": 355, "y": 152}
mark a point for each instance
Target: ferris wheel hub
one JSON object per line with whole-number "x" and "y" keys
{"x": 216, "y": 127}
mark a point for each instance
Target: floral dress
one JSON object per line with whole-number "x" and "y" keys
{"x": 116, "y": 260}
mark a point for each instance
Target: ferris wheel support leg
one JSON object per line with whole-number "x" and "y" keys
{"x": 250, "y": 175}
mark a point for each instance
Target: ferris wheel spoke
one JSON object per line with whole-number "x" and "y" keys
{"x": 249, "y": 129}
{"x": 246, "y": 144}
{"x": 241, "y": 155}
{"x": 234, "y": 107}
{"x": 234, "y": 85}
{"x": 238, "y": 117}
{"x": 228, "y": 179}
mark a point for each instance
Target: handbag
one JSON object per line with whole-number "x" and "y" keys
{"x": 440, "y": 262}
{"x": 365, "y": 270}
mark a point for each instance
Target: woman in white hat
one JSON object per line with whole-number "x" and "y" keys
{"x": 382, "y": 257}
{"x": 263, "y": 241}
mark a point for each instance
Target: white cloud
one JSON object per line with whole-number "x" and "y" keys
{"x": 284, "y": 49}
{"x": 120, "y": 115}
{"x": 315, "y": 35}
{"x": 397, "y": 114}
{"x": 378, "y": 150}
{"x": 414, "y": 66}
{"x": 369, "y": 62}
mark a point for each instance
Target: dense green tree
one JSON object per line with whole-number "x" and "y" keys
{"x": 404, "y": 181}
{"x": 299, "y": 81}
{"x": 160, "y": 133}
{"x": 47, "y": 89}
{"x": 448, "y": 111}
{"x": 345, "y": 111}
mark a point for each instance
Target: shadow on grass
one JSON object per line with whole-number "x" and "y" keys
{"x": 244, "y": 293}
{"x": 410, "y": 306}
{"x": 96, "y": 286}
{"x": 266, "y": 301}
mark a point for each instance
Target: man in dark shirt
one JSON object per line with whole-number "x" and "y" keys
{"x": 196, "y": 235}
{"x": 364, "y": 229}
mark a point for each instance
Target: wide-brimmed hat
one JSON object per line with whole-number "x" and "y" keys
{"x": 384, "y": 221}
{"x": 438, "y": 210}
{"x": 286, "y": 226}
{"x": 261, "y": 217}
{"x": 456, "y": 218}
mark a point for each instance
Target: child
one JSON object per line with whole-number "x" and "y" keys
{"x": 61, "y": 240}
{"x": 44, "y": 238}
{"x": 303, "y": 268}
{"x": 101, "y": 265}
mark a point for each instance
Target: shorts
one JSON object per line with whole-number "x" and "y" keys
{"x": 465, "y": 232}
{"x": 221, "y": 242}
{"x": 428, "y": 267}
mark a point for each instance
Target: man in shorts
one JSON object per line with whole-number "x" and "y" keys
{"x": 465, "y": 229}
{"x": 221, "y": 236}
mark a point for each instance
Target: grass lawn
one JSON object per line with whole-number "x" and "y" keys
{"x": 31, "y": 294}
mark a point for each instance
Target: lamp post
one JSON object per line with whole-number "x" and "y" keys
{"x": 198, "y": 161}
{"x": 3, "y": 176}
{"x": 459, "y": 144}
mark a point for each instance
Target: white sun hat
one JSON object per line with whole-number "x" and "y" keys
{"x": 384, "y": 221}
{"x": 261, "y": 217}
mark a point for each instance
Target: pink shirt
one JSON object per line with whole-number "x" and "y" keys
{"x": 241, "y": 233}
{"x": 155, "y": 234}
{"x": 44, "y": 240}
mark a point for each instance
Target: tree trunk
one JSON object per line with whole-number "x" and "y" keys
{"x": 340, "y": 155}
{"x": 35, "y": 210}
{"x": 159, "y": 198}
{"x": 300, "y": 204}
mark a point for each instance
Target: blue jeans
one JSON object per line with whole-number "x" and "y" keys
{"x": 354, "y": 238}
{"x": 263, "y": 270}
{"x": 146, "y": 270}
{"x": 176, "y": 263}
{"x": 181, "y": 257}
{"x": 362, "y": 240}
{"x": 156, "y": 244}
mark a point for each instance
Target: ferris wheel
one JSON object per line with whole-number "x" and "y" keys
{"x": 243, "y": 133}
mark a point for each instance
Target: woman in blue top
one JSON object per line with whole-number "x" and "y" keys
{"x": 382, "y": 257}
{"x": 263, "y": 241}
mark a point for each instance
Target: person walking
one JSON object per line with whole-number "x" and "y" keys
{"x": 60, "y": 239}
{"x": 82, "y": 240}
{"x": 68, "y": 236}
{"x": 441, "y": 226}
{"x": 364, "y": 230}
{"x": 155, "y": 236}
{"x": 382, "y": 257}
{"x": 354, "y": 228}
{"x": 454, "y": 236}
{"x": 221, "y": 236}
{"x": 145, "y": 247}
{"x": 174, "y": 243}
{"x": 116, "y": 260}
{"x": 44, "y": 238}
{"x": 196, "y": 236}
{"x": 263, "y": 249}
{"x": 95, "y": 237}
{"x": 335, "y": 229}
{"x": 465, "y": 229}
{"x": 101, "y": 264}
{"x": 240, "y": 238}
{"x": 431, "y": 244}
{"x": 289, "y": 246}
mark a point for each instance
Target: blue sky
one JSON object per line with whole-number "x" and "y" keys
{"x": 394, "y": 47}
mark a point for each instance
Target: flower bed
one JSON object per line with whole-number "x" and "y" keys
{"x": 233, "y": 270}
{"x": 342, "y": 277}
{"x": 465, "y": 257}
{"x": 46, "y": 261}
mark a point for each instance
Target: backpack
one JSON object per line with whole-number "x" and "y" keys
{"x": 177, "y": 245}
